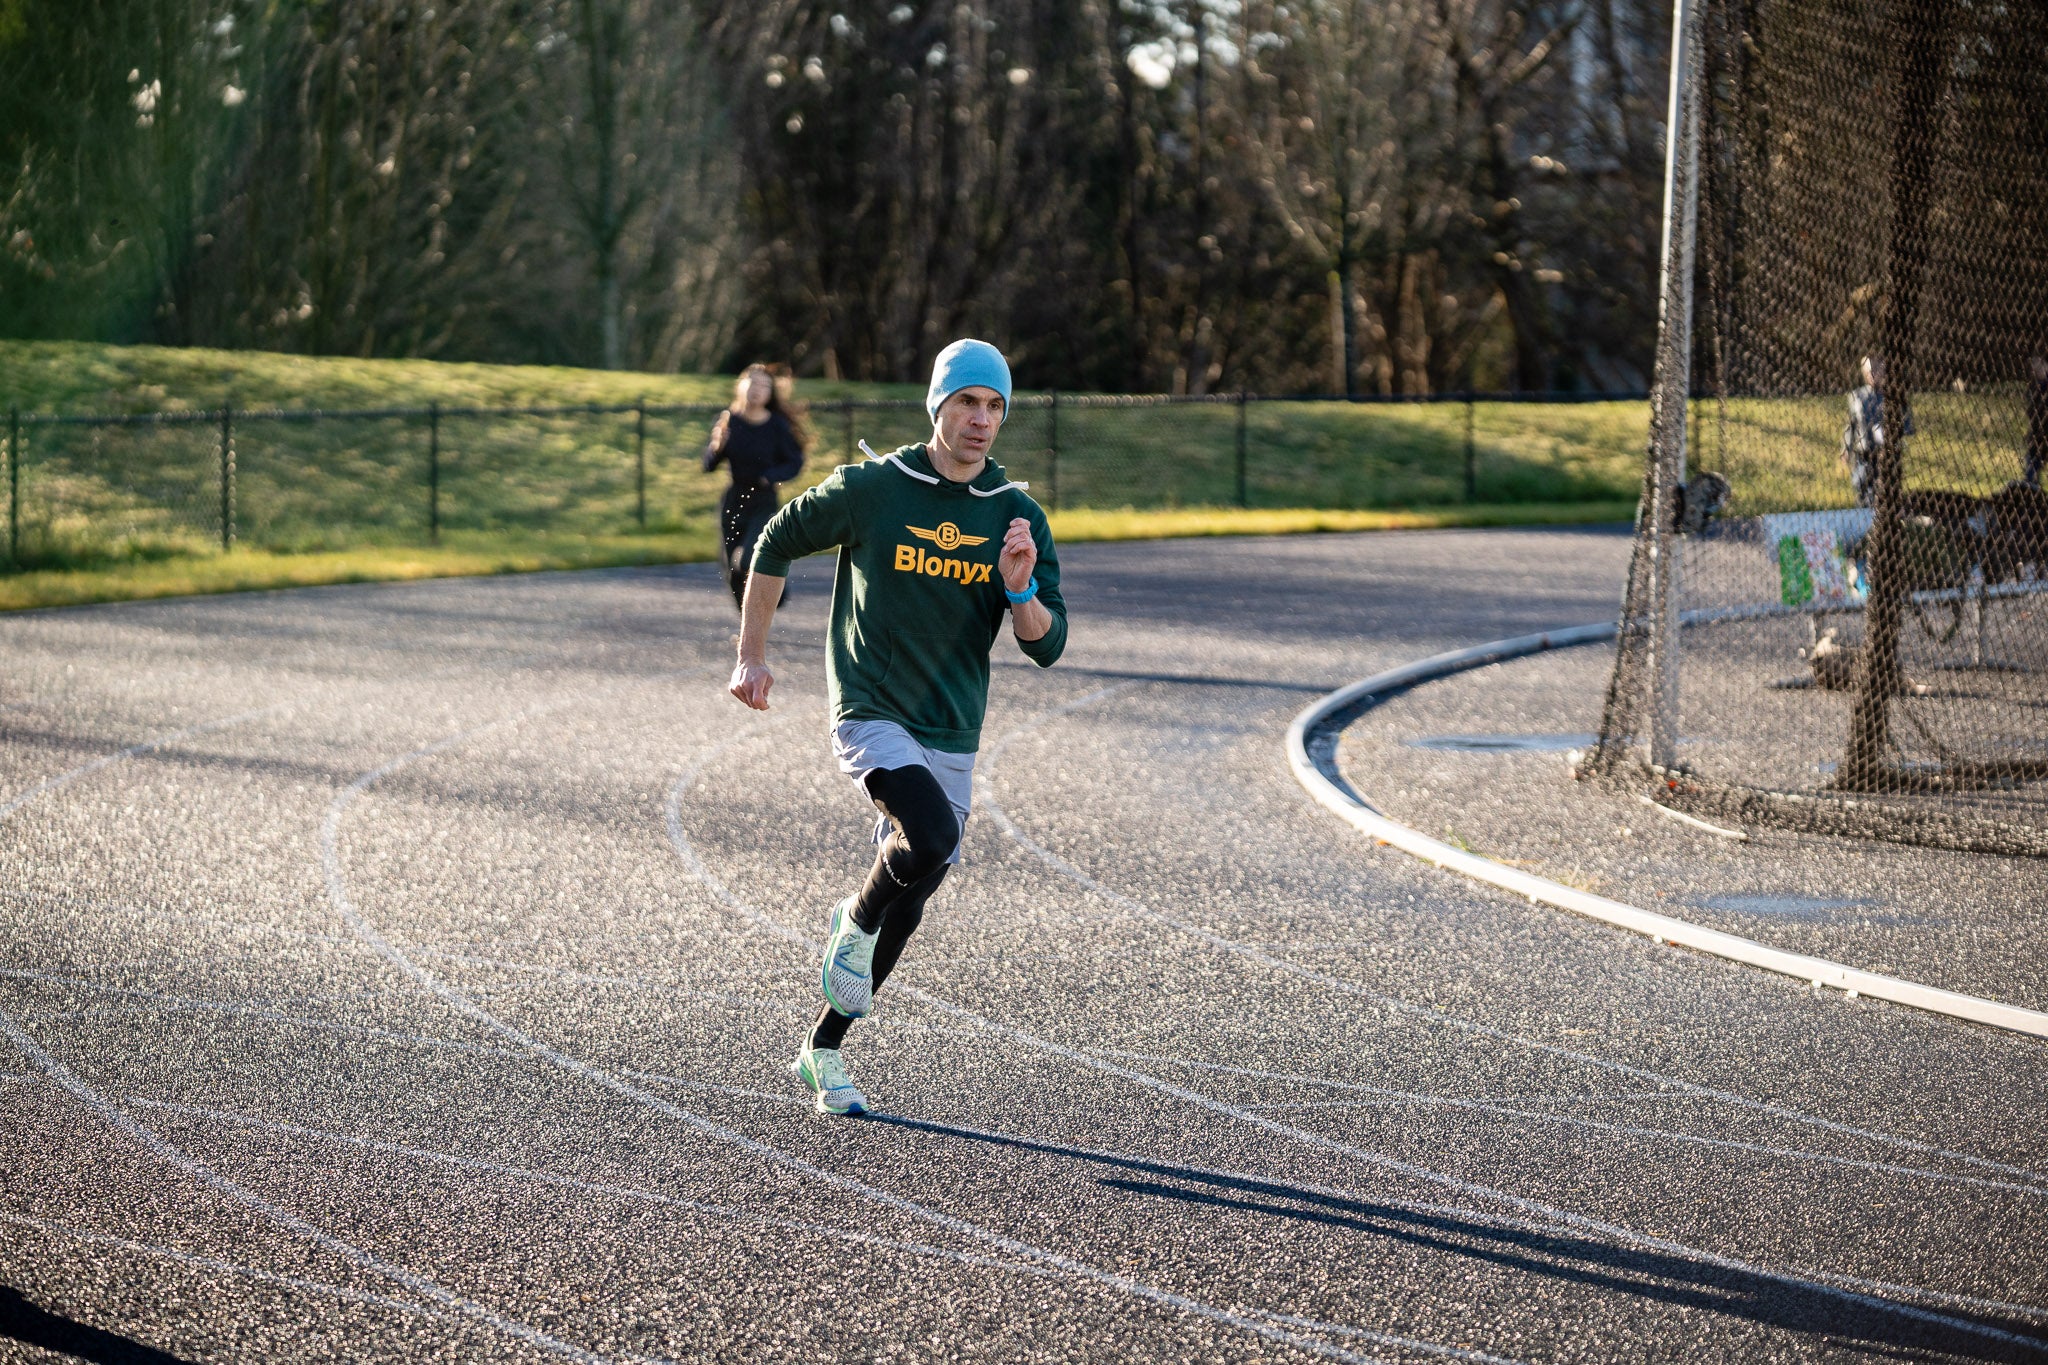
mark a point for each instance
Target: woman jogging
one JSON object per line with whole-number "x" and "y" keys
{"x": 758, "y": 440}
{"x": 936, "y": 544}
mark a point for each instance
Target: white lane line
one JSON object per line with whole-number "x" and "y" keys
{"x": 1820, "y": 1282}
{"x": 220, "y": 1184}
{"x": 175, "y": 1001}
{"x": 580, "y": 978}
{"x": 148, "y": 746}
{"x": 40, "y": 901}
{"x": 1485, "y": 1106}
{"x": 606, "y": 1189}
{"x": 462, "y": 1004}
{"x": 1418, "y": 1100}
{"x": 1312, "y": 1191}
{"x": 166, "y": 1005}
{"x": 984, "y": 777}
{"x": 169, "y": 1004}
{"x": 224, "y": 1267}
{"x": 66, "y": 979}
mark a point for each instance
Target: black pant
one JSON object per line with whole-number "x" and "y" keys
{"x": 908, "y": 868}
{"x": 742, "y": 514}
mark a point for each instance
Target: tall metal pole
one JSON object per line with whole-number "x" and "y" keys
{"x": 1052, "y": 438}
{"x": 227, "y": 475}
{"x": 1471, "y": 454}
{"x": 640, "y": 462}
{"x": 434, "y": 472}
{"x": 1673, "y": 382}
{"x": 1243, "y": 493}
{"x": 14, "y": 485}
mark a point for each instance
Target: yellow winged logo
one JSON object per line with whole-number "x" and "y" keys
{"x": 947, "y": 536}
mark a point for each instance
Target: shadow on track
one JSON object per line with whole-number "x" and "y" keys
{"x": 1559, "y": 1256}
{"x": 31, "y": 1325}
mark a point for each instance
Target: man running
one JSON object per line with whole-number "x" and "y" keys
{"x": 935, "y": 543}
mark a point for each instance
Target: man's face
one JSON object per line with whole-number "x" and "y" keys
{"x": 968, "y": 422}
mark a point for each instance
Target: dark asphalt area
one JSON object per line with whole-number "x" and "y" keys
{"x": 408, "y": 972}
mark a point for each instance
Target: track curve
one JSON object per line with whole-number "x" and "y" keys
{"x": 466, "y": 928}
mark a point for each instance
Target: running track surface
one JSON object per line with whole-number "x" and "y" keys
{"x": 409, "y": 972}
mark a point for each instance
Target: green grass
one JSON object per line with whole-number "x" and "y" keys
{"x": 1097, "y": 524}
{"x": 1784, "y": 454}
{"x": 111, "y": 511}
{"x": 82, "y": 377}
{"x": 462, "y": 555}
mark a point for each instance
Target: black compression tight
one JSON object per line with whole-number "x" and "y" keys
{"x": 908, "y": 868}
{"x": 925, "y": 832}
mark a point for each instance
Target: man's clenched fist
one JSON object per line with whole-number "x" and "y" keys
{"x": 750, "y": 683}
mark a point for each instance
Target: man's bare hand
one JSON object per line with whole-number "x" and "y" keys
{"x": 1019, "y": 557}
{"x": 750, "y": 683}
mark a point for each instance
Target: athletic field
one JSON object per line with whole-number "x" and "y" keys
{"x": 409, "y": 972}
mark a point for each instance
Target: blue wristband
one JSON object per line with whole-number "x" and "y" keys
{"x": 1019, "y": 598}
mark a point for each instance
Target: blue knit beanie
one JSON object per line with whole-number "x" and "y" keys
{"x": 963, "y": 365}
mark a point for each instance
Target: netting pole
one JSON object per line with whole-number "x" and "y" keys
{"x": 434, "y": 472}
{"x": 640, "y": 462}
{"x": 1471, "y": 454}
{"x": 227, "y": 475}
{"x": 1863, "y": 767}
{"x": 14, "y": 485}
{"x": 1673, "y": 383}
{"x": 1052, "y": 440}
{"x": 1243, "y": 500}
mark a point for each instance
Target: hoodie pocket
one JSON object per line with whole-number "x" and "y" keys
{"x": 925, "y": 682}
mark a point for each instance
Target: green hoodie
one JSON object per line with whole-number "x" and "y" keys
{"x": 917, "y": 599}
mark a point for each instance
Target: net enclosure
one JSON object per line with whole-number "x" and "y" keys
{"x": 1837, "y": 609}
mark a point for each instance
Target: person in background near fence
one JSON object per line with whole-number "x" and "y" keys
{"x": 935, "y": 545}
{"x": 1864, "y": 435}
{"x": 2037, "y": 420}
{"x": 760, "y": 439}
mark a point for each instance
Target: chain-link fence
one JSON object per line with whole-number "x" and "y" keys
{"x": 86, "y": 488}
{"x": 1866, "y": 650}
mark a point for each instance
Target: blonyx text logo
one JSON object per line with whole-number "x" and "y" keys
{"x": 946, "y": 537}
{"x": 913, "y": 559}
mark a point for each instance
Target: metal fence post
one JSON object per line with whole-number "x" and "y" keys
{"x": 227, "y": 475}
{"x": 640, "y": 462}
{"x": 1243, "y": 494}
{"x": 434, "y": 472}
{"x": 1471, "y": 454}
{"x": 14, "y": 485}
{"x": 1052, "y": 439}
{"x": 1671, "y": 376}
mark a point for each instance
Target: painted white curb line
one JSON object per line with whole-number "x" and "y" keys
{"x": 1335, "y": 795}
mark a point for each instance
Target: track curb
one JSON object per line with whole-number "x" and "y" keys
{"x": 1319, "y": 776}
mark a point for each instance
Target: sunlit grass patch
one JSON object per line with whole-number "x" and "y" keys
{"x": 1095, "y": 524}
{"x": 462, "y": 554}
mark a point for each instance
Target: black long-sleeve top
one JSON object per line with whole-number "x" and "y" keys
{"x": 760, "y": 453}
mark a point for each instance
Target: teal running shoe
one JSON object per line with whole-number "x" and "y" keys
{"x": 848, "y": 974}
{"x": 824, "y": 1071}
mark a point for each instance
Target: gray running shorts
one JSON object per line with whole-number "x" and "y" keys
{"x": 861, "y": 746}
